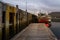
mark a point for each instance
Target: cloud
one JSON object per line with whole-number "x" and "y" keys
{"x": 36, "y": 5}
{"x": 51, "y": 3}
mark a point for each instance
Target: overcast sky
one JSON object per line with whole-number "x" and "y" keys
{"x": 36, "y": 5}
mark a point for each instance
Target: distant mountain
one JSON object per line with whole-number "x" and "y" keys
{"x": 55, "y": 14}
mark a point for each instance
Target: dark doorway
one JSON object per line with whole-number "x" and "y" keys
{"x": 11, "y": 24}
{"x": 3, "y": 25}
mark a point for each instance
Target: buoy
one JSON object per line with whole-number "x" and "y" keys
{"x": 47, "y": 25}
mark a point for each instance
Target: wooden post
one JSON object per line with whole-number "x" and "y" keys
{"x": 1, "y": 20}
{"x": 17, "y": 19}
{"x": 14, "y": 20}
{"x": 0, "y": 33}
{"x": 7, "y": 23}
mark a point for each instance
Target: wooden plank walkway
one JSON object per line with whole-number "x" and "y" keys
{"x": 35, "y": 31}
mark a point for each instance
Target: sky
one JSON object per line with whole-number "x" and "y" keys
{"x": 35, "y": 6}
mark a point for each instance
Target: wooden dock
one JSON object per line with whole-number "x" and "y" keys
{"x": 35, "y": 31}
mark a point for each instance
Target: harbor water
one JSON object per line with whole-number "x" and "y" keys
{"x": 56, "y": 29}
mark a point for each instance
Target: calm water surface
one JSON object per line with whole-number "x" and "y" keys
{"x": 56, "y": 29}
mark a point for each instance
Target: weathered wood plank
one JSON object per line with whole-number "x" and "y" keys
{"x": 35, "y": 31}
